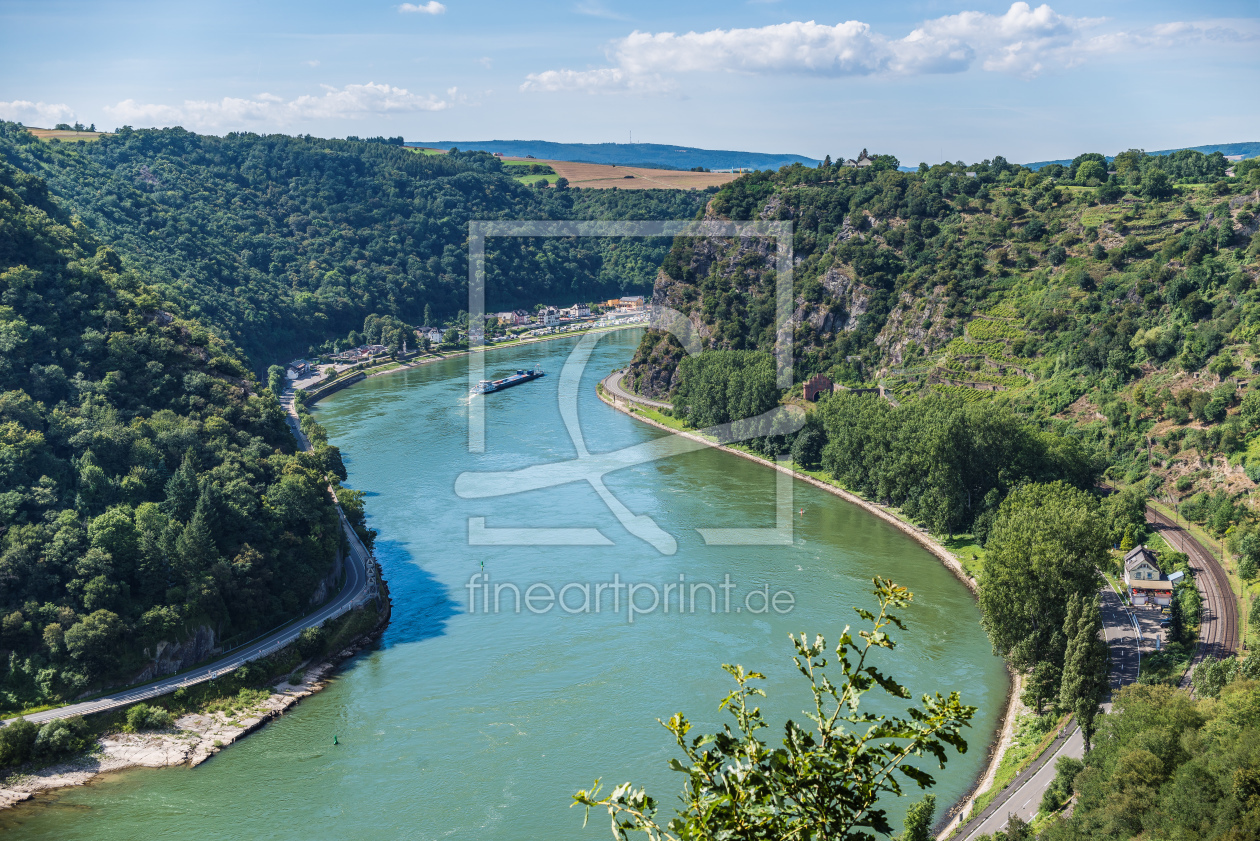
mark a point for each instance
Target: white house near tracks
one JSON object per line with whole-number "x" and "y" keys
{"x": 1144, "y": 580}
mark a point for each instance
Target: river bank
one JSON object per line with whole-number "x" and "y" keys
{"x": 396, "y": 367}
{"x": 1004, "y": 734}
{"x": 195, "y": 736}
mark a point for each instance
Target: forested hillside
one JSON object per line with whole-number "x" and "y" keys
{"x": 281, "y": 243}
{"x": 149, "y": 488}
{"x": 1121, "y": 310}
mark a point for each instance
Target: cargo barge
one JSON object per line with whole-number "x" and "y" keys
{"x": 521, "y": 376}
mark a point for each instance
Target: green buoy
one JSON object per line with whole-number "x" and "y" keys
{"x": 334, "y": 740}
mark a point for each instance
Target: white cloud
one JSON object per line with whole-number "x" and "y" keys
{"x": 602, "y": 80}
{"x": 268, "y": 111}
{"x": 38, "y": 114}
{"x": 433, "y": 7}
{"x": 597, "y": 9}
{"x": 1024, "y": 42}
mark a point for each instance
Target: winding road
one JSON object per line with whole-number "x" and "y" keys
{"x": 612, "y": 384}
{"x": 1218, "y": 637}
{"x": 1023, "y": 796}
{"x": 359, "y": 587}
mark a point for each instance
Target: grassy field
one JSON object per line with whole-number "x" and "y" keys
{"x": 1033, "y": 734}
{"x": 531, "y": 180}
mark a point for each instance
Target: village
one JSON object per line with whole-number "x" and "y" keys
{"x": 500, "y": 328}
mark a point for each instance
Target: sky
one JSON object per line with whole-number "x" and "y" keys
{"x": 925, "y": 81}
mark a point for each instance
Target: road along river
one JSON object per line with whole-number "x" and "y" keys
{"x": 474, "y": 724}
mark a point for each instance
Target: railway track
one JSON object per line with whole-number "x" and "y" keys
{"x": 1218, "y": 626}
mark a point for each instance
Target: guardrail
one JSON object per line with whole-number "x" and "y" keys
{"x": 163, "y": 687}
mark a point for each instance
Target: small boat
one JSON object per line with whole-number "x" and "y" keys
{"x": 521, "y": 376}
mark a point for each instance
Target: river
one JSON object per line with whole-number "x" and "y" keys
{"x": 474, "y": 724}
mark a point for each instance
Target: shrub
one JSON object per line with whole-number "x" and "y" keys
{"x": 17, "y": 742}
{"x": 1060, "y": 789}
{"x": 143, "y": 717}
{"x": 61, "y": 737}
{"x": 310, "y": 642}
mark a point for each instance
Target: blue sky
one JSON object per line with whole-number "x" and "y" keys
{"x": 924, "y": 81}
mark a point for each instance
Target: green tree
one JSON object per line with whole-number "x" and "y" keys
{"x": 1110, "y": 191}
{"x": 1091, "y": 171}
{"x": 144, "y": 717}
{"x": 1156, "y": 184}
{"x": 93, "y": 640}
{"x": 1045, "y": 547}
{"x": 1223, "y": 365}
{"x": 1248, "y": 556}
{"x": 918, "y": 823}
{"x": 17, "y": 742}
{"x": 196, "y": 546}
{"x": 717, "y": 387}
{"x": 182, "y": 491}
{"x": 115, "y": 532}
{"x": 825, "y": 782}
{"x": 1085, "y": 665}
{"x": 807, "y": 447}
{"x": 1164, "y": 766}
{"x": 275, "y": 380}
{"x": 1251, "y": 407}
{"x": 1042, "y": 685}
{"x": 1212, "y": 675}
{"x": 1060, "y": 789}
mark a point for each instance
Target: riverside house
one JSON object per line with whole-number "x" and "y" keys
{"x": 1144, "y": 580}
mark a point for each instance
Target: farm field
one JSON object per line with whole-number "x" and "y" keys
{"x": 606, "y": 176}
{"x": 63, "y": 135}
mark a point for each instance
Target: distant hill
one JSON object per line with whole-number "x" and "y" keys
{"x": 1251, "y": 150}
{"x": 654, "y": 155}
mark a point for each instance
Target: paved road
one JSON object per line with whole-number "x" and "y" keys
{"x": 356, "y": 591}
{"x": 1023, "y": 796}
{"x": 613, "y": 384}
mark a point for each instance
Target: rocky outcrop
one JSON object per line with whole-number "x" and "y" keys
{"x": 167, "y": 658}
{"x": 846, "y": 301}
{"x": 328, "y": 583}
{"x": 919, "y": 319}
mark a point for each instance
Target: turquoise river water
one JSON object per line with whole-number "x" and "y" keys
{"x": 472, "y": 724}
